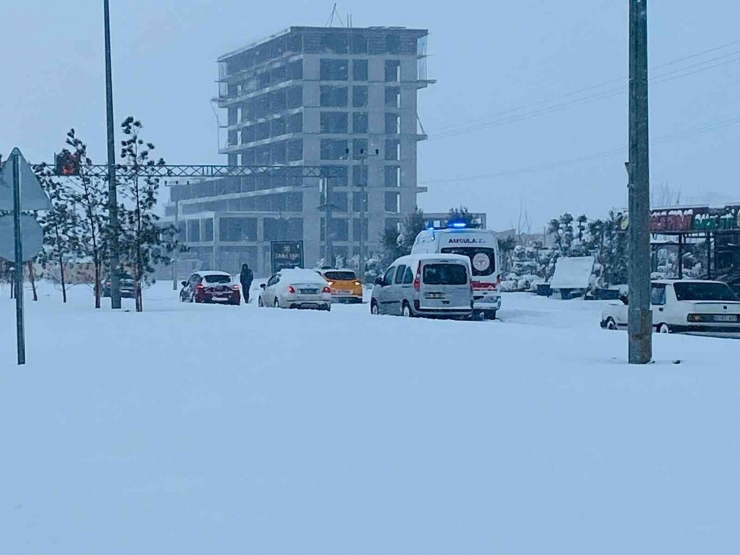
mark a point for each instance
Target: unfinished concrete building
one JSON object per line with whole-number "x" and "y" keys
{"x": 341, "y": 98}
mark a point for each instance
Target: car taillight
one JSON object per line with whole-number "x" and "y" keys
{"x": 200, "y": 286}
{"x": 327, "y": 290}
{"x": 291, "y": 289}
{"x": 417, "y": 279}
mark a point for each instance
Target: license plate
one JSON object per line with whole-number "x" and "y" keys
{"x": 725, "y": 318}
{"x": 343, "y": 292}
{"x": 434, "y": 296}
{"x": 309, "y": 291}
{"x": 221, "y": 299}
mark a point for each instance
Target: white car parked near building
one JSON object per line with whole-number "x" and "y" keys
{"x": 296, "y": 288}
{"x": 684, "y": 307}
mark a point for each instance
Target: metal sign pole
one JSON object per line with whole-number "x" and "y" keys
{"x": 175, "y": 286}
{"x": 18, "y": 266}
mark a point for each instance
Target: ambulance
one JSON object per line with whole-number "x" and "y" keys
{"x": 481, "y": 247}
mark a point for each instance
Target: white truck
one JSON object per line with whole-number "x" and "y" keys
{"x": 481, "y": 247}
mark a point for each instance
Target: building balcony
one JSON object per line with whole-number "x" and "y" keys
{"x": 226, "y": 100}
{"x": 247, "y": 122}
{"x": 237, "y": 148}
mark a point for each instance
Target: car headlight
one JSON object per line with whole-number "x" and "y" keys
{"x": 695, "y": 318}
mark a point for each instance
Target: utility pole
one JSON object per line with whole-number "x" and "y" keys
{"x": 363, "y": 200}
{"x": 115, "y": 277}
{"x": 640, "y": 316}
{"x": 328, "y": 206}
{"x": 175, "y": 286}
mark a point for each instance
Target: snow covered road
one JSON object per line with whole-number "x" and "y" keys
{"x": 207, "y": 429}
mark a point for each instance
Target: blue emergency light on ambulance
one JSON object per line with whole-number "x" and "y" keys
{"x": 481, "y": 247}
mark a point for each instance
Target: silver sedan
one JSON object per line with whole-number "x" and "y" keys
{"x": 296, "y": 288}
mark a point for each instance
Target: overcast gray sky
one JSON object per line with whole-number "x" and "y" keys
{"x": 488, "y": 57}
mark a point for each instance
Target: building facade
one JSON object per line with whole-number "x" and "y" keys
{"x": 343, "y": 99}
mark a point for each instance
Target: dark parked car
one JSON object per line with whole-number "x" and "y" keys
{"x": 208, "y": 286}
{"x": 128, "y": 287}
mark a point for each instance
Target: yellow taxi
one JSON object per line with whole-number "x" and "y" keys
{"x": 344, "y": 285}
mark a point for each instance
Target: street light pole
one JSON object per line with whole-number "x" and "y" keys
{"x": 363, "y": 199}
{"x": 640, "y": 316}
{"x": 328, "y": 239}
{"x": 115, "y": 278}
{"x": 174, "y": 255}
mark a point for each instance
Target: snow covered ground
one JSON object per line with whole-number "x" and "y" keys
{"x": 229, "y": 430}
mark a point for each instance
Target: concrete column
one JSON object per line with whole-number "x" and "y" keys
{"x": 216, "y": 242}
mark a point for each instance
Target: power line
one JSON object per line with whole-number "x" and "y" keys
{"x": 453, "y": 127}
{"x": 587, "y": 158}
{"x": 610, "y": 93}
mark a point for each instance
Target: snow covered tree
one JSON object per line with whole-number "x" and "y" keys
{"x": 90, "y": 196}
{"x": 461, "y": 214}
{"x": 553, "y": 228}
{"x": 614, "y": 255}
{"x": 143, "y": 242}
{"x": 398, "y": 242}
{"x": 61, "y": 224}
{"x": 507, "y": 246}
{"x": 566, "y": 230}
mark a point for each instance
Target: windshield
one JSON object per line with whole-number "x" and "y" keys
{"x": 704, "y": 292}
{"x": 340, "y": 276}
{"x": 445, "y": 274}
{"x": 482, "y": 260}
{"x": 218, "y": 279}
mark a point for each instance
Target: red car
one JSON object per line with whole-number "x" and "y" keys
{"x": 208, "y": 286}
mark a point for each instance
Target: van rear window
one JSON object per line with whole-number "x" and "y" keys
{"x": 445, "y": 274}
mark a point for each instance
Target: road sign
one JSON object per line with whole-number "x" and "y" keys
{"x": 286, "y": 254}
{"x": 33, "y": 196}
{"x": 32, "y": 237}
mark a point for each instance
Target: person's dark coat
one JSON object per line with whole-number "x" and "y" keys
{"x": 246, "y": 277}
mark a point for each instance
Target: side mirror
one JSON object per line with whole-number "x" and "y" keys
{"x": 379, "y": 281}
{"x": 262, "y": 285}
{"x": 625, "y": 299}
{"x": 184, "y": 283}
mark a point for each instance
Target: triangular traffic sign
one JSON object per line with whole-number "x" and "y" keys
{"x": 33, "y": 196}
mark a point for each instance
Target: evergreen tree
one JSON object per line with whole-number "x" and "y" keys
{"x": 614, "y": 257}
{"x": 90, "y": 197}
{"x": 507, "y": 246}
{"x": 461, "y": 214}
{"x": 144, "y": 244}
{"x": 61, "y": 224}
{"x": 399, "y": 242}
{"x": 566, "y": 231}
{"x": 553, "y": 228}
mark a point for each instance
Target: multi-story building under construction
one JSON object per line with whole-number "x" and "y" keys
{"x": 344, "y": 99}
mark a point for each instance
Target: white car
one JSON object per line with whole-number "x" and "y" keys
{"x": 296, "y": 288}
{"x": 685, "y": 306}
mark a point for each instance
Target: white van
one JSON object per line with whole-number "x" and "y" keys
{"x": 478, "y": 245}
{"x": 425, "y": 285}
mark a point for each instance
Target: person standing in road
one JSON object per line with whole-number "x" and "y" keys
{"x": 246, "y": 278}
